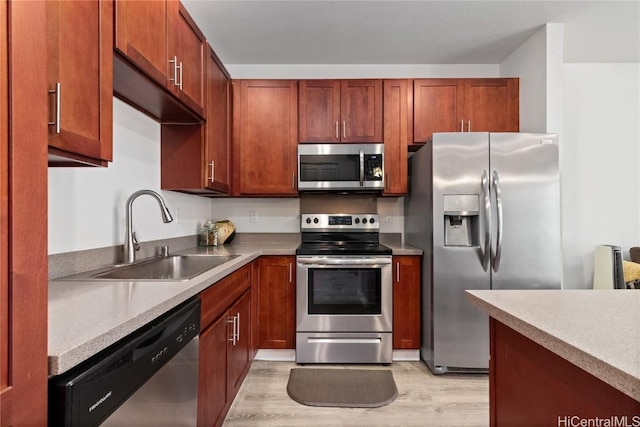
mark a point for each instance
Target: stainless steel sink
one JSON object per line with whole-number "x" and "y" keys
{"x": 173, "y": 267}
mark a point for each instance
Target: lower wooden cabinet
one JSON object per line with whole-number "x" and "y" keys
{"x": 406, "y": 302}
{"x": 225, "y": 345}
{"x": 277, "y": 302}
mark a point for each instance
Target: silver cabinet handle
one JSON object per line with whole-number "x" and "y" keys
{"x": 233, "y": 332}
{"x": 361, "y": 168}
{"x": 496, "y": 187}
{"x": 211, "y": 165}
{"x": 468, "y": 125}
{"x": 290, "y": 272}
{"x": 293, "y": 180}
{"x": 461, "y": 125}
{"x": 56, "y": 93}
{"x": 344, "y": 129}
{"x": 238, "y": 327}
{"x": 397, "y": 271}
{"x": 337, "y": 130}
{"x": 177, "y": 68}
{"x": 487, "y": 221}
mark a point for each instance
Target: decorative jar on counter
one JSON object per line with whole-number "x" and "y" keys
{"x": 209, "y": 235}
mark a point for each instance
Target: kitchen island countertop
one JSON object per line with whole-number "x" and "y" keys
{"x": 596, "y": 330}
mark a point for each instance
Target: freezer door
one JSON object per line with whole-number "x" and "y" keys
{"x": 525, "y": 185}
{"x": 460, "y": 330}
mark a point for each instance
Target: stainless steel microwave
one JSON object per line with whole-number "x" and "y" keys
{"x": 340, "y": 167}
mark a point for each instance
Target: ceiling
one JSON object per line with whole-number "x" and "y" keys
{"x": 411, "y": 32}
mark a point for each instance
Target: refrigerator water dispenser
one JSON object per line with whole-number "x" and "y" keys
{"x": 461, "y": 219}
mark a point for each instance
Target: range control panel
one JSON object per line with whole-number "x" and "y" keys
{"x": 345, "y": 222}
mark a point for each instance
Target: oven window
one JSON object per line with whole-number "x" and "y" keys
{"x": 344, "y": 291}
{"x": 335, "y": 167}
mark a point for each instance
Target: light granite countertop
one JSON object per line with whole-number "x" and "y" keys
{"x": 596, "y": 330}
{"x": 86, "y": 317}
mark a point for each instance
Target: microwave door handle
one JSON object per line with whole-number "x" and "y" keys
{"x": 361, "y": 168}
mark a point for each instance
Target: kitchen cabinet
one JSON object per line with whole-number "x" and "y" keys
{"x": 406, "y": 302}
{"x": 277, "y": 294}
{"x": 340, "y": 111}
{"x": 80, "y": 82}
{"x": 161, "y": 39}
{"x": 225, "y": 345}
{"x": 398, "y": 135}
{"x": 532, "y": 385}
{"x": 23, "y": 212}
{"x": 195, "y": 158}
{"x": 265, "y": 129}
{"x": 465, "y": 105}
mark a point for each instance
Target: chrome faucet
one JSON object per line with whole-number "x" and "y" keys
{"x": 131, "y": 244}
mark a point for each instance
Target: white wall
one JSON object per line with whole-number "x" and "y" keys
{"x": 601, "y": 164}
{"x": 538, "y": 62}
{"x": 87, "y": 205}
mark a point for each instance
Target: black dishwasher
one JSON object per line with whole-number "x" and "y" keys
{"x": 146, "y": 378}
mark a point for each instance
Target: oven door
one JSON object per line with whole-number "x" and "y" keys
{"x": 344, "y": 294}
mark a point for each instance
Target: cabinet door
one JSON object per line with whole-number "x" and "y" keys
{"x": 217, "y": 127}
{"x": 212, "y": 375}
{"x": 239, "y": 348}
{"x": 406, "y": 302}
{"x": 398, "y": 134}
{"x": 491, "y": 105}
{"x": 265, "y": 121}
{"x": 361, "y": 110}
{"x": 437, "y": 107}
{"x": 141, "y": 35}
{"x": 277, "y": 302}
{"x": 187, "y": 45}
{"x": 319, "y": 109}
{"x": 80, "y": 69}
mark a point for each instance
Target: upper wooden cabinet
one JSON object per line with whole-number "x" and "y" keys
{"x": 340, "y": 111}
{"x": 265, "y": 130}
{"x": 465, "y": 105}
{"x": 398, "y": 134}
{"x": 163, "y": 41}
{"x": 80, "y": 81}
{"x": 195, "y": 158}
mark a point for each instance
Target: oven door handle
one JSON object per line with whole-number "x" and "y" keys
{"x": 369, "y": 262}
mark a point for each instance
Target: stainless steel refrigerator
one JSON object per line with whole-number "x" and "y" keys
{"x": 485, "y": 209}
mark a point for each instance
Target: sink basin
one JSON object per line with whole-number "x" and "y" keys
{"x": 173, "y": 267}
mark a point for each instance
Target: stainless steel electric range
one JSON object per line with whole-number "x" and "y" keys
{"x": 344, "y": 298}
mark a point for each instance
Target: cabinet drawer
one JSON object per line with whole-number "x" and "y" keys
{"x": 219, "y": 297}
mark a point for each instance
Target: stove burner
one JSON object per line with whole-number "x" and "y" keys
{"x": 341, "y": 234}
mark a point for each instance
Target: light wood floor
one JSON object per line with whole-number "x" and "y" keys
{"x": 423, "y": 400}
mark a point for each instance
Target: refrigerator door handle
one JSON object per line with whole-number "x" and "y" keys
{"x": 496, "y": 186}
{"x": 487, "y": 221}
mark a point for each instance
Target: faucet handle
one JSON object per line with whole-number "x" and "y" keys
{"x": 164, "y": 250}
{"x": 136, "y": 245}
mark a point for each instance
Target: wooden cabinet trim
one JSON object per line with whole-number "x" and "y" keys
{"x": 24, "y": 277}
